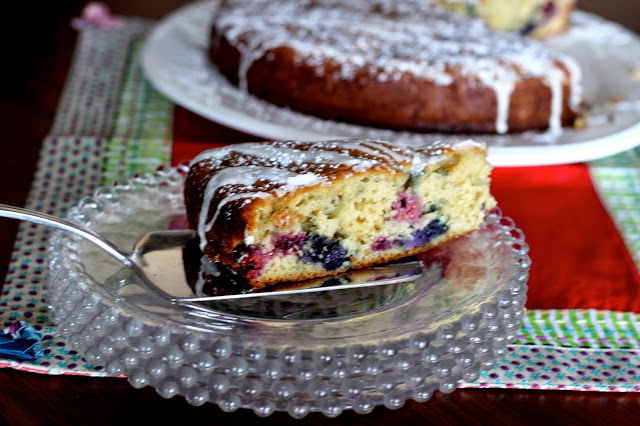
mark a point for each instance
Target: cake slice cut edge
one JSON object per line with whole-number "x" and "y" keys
{"x": 535, "y": 18}
{"x": 290, "y": 211}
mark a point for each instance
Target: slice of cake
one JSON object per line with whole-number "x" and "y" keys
{"x": 287, "y": 211}
{"x": 535, "y": 18}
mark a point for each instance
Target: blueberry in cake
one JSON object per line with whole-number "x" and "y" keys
{"x": 289, "y": 211}
{"x": 405, "y": 65}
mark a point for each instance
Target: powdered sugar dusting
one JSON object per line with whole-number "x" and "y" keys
{"x": 307, "y": 179}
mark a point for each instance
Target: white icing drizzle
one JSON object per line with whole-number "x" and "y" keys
{"x": 555, "y": 84}
{"x": 415, "y": 37}
{"x": 575, "y": 82}
{"x": 380, "y": 149}
{"x": 273, "y": 169}
{"x": 502, "y": 86}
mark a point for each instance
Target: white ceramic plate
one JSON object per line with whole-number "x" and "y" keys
{"x": 175, "y": 60}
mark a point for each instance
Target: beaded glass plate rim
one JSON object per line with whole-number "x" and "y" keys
{"x": 176, "y": 41}
{"x": 174, "y": 176}
{"x": 269, "y": 376}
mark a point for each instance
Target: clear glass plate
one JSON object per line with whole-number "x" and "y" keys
{"x": 346, "y": 349}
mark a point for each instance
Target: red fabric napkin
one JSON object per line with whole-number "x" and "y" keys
{"x": 579, "y": 258}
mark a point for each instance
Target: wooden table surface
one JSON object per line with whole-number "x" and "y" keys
{"x": 39, "y": 42}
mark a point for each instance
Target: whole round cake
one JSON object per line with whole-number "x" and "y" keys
{"x": 404, "y": 65}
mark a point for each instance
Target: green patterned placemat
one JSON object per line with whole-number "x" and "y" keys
{"x": 140, "y": 136}
{"x": 617, "y": 181}
{"x": 110, "y": 124}
{"x": 581, "y": 329}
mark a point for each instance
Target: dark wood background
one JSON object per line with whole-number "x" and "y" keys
{"x": 37, "y": 46}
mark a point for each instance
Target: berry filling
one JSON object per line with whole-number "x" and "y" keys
{"x": 423, "y": 236}
{"x": 285, "y": 244}
{"x": 381, "y": 244}
{"x": 408, "y": 208}
{"x": 251, "y": 259}
{"x": 527, "y": 29}
{"x": 548, "y": 10}
{"x": 420, "y": 237}
{"x": 325, "y": 251}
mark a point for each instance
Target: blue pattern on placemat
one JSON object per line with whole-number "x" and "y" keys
{"x": 71, "y": 165}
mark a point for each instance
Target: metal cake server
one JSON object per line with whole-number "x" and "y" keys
{"x": 157, "y": 259}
